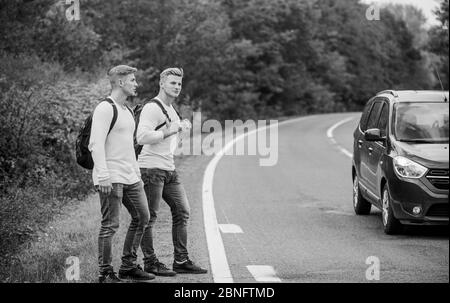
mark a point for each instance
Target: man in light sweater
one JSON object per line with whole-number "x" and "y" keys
{"x": 117, "y": 178}
{"x": 161, "y": 180}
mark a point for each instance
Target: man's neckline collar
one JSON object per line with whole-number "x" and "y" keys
{"x": 117, "y": 103}
{"x": 162, "y": 102}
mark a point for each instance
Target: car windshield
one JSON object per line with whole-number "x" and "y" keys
{"x": 421, "y": 122}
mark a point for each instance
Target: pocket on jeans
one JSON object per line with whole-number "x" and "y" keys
{"x": 155, "y": 179}
{"x": 153, "y": 176}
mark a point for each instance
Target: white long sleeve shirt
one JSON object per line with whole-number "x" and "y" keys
{"x": 157, "y": 152}
{"x": 113, "y": 154}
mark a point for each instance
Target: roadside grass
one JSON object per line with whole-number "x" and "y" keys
{"x": 74, "y": 233}
{"x": 24, "y": 216}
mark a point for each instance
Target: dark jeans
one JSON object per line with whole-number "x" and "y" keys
{"x": 133, "y": 198}
{"x": 161, "y": 184}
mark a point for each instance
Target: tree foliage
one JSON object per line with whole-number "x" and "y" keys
{"x": 252, "y": 58}
{"x": 439, "y": 43}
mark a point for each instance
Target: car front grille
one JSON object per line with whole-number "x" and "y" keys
{"x": 438, "y": 210}
{"x": 439, "y": 178}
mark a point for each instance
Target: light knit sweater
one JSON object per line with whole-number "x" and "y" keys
{"x": 157, "y": 152}
{"x": 113, "y": 154}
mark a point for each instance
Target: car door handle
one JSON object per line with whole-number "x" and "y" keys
{"x": 360, "y": 142}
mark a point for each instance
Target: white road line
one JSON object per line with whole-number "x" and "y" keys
{"x": 338, "y": 212}
{"x": 217, "y": 257}
{"x": 230, "y": 229}
{"x": 330, "y": 136}
{"x": 345, "y": 152}
{"x": 332, "y": 128}
{"x": 263, "y": 273}
{"x": 219, "y": 264}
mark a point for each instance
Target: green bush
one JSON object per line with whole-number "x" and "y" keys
{"x": 42, "y": 109}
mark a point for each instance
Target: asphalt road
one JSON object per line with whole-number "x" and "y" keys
{"x": 297, "y": 216}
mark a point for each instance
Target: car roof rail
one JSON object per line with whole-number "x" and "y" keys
{"x": 388, "y": 91}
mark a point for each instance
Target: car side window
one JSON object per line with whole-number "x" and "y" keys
{"x": 364, "y": 116}
{"x": 374, "y": 114}
{"x": 384, "y": 118}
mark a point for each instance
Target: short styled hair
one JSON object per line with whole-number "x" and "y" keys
{"x": 119, "y": 71}
{"x": 174, "y": 71}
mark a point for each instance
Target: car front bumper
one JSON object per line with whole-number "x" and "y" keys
{"x": 409, "y": 193}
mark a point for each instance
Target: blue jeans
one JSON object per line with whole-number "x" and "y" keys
{"x": 161, "y": 184}
{"x": 133, "y": 198}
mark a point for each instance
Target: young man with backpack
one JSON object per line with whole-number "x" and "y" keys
{"x": 116, "y": 176}
{"x": 158, "y": 128}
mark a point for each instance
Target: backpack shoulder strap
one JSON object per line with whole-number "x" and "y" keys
{"x": 179, "y": 116}
{"x": 114, "y": 119}
{"x": 164, "y": 110}
{"x": 130, "y": 110}
{"x": 161, "y": 107}
{"x": 154, "y": 100}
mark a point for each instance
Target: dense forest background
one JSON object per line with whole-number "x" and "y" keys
{"x": 243, "y": 59}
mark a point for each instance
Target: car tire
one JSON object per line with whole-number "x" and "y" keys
{"x": 360, "y": 205}
{"x": 391, "y": 224}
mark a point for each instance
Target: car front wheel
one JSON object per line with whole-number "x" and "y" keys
{"x": 390, "y": 224}
{"x": 360, "y": 205}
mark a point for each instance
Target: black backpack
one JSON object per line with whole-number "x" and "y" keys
{"x": 83, "y": 155}
{"x": 137, "y": 115}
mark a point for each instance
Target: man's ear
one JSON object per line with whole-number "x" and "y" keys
{"x": 120, "y": 82}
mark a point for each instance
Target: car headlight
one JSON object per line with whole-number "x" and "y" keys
{"x": 408, "y": 169}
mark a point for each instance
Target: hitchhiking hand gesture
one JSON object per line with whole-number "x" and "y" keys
{"x": 186, "y": 124}
{"x": 171, "y": 128}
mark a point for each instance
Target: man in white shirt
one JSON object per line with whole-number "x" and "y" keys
{"x": 117, "y": 177}
{"x": 161, "y": 180}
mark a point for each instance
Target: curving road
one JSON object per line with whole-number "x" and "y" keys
{"x": 297, "y": 219}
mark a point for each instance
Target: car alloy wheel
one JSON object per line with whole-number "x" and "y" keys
{"x": 385, "y": 214}
{"x": 390, "y": 224}
{"x": 355, "y": 192}
{"x": 360, "y": 205}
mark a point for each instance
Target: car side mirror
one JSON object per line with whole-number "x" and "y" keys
{"x": 373, "y": 134}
